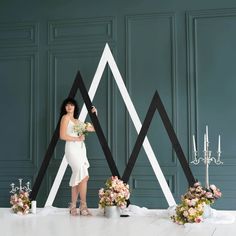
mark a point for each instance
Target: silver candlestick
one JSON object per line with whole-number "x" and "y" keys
{"x": 21, "y": 188}
{"x": 207, "y": 159}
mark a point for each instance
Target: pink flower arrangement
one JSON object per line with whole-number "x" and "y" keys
{"x": 20, "y": 203}
{"x": 115, "y": 193}
{"x": 192, "y": 204}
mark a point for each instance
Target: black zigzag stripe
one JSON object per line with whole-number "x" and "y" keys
{"x": 156, "y": 104}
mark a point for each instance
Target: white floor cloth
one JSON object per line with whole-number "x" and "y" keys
{"x": 216, "y": 217}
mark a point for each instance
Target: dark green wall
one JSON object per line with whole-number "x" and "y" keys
{"x": 185, "y": 49}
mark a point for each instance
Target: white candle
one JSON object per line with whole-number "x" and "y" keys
{"x": 33, "y": 207}
{"x": 219, "y": 148}
{"x": 204, "y": 142}
{"x": 207, "y": 140}
{"x": 194, "y": 144}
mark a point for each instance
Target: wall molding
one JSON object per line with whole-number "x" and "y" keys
{"x": 32, "y": 59}
{"x": 76, "y": 31}
{"x": 142, "y": 191}
{"x": 19, "y": 34}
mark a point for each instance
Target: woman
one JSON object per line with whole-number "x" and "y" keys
{"x": 75, "y": 152}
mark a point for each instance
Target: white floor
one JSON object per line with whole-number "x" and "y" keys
{"x": 59, "y": 223}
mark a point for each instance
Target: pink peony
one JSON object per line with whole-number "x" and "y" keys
{"x": 197, "y": 184}
{"x": 217, "y": 194}
{"x": 213, "y": 187}
{"x": 198, "y": 220}
{"x": 193, "y": 202}
{"x": 209, "y": 195}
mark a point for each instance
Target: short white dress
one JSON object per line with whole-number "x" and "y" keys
{"x": 76, "y": 157}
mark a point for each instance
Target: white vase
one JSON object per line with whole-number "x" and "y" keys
{"x": 207, "y": 212}
{"x": 112, "y": 211}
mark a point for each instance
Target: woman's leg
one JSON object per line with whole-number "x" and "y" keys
{"x": 77, "y": 192}
{"x": 74, "y": 197}
{"x": 74, "y": 193}
{"x": 83, "y": 189}
{"x": 83, "y": 193}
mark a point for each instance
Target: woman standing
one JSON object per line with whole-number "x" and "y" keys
{"x": 75, "y": 152}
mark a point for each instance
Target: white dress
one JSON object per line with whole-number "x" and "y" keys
{"x": 76, "y": 156}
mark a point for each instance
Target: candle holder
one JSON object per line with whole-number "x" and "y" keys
{"x": 207, "y": 156}
{"x": 21, "y": 188}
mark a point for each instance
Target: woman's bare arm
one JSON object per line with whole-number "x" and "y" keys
{"x": 63, "y": 127}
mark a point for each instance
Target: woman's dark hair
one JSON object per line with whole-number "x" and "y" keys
{"x": 69, "y": 101}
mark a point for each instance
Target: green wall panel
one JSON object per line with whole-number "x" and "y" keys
{"x": 151, "y": 64}
{"x": 212, "y": 54}
{"x": 184, "y": 49}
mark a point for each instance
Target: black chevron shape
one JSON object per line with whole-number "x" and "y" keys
{"x": 156, "y": 104}
{"x": 78, "y": 83}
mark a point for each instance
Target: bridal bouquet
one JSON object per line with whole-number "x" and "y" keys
{"x": 192, "y": 204}
{"x": 82, "y": 128}
{"x": 20, "y": 202}
{"x": 115, "y": 193}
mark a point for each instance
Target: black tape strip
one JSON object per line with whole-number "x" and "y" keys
{"x": 139, "y": 142}
{"x": 97, "y": 126}
{"x": 175, "y": 142}
{"x": 156, "y": 104}
{"x": 50, "y": 150}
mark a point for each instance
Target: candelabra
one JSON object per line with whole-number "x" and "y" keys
{"x": 207, "y": 156}
{"x": 21, "y": 188}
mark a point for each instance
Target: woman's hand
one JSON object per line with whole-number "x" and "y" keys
{"x": 81, "y": 138}
{"x": 90, "y": 127}
{"x": 94, "y": 110}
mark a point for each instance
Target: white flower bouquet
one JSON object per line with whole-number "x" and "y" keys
{"x": 82, "y": 128}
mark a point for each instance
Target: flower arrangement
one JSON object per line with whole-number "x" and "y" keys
{"x": 115, "y": 193}
{"x": 20, "y": 202}
{"x": 192, "y": 204}
{"x": 82, "y": 128}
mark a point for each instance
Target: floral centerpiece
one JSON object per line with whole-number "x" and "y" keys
{"x": 20, "y": 203}
{"x": 192, "y": 204}
{"x": 115, "y": 193}
{"x": 19, "y": 199}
